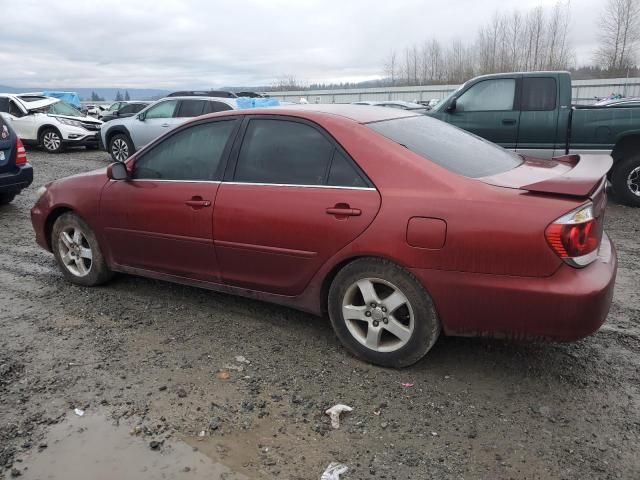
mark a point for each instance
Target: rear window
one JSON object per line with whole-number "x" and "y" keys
{"x": 448, "y": 146}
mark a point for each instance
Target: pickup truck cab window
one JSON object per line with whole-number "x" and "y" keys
{"x": 488, "y": 96}
{"x": 538, "y": 94}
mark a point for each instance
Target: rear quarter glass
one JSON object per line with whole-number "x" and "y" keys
{"x": 450, "y": 147}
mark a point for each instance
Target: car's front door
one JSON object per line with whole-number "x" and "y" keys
{"x": 153, "y": 122}
{"x": 295, "y": 199}
{"x": 488, "y": 109}
{"x": 161, "y": 218}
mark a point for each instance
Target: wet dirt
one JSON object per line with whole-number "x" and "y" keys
{"x": 164, "y": 358}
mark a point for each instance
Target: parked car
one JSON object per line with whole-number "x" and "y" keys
{"x": 532, "y": 114}
{"x": 49, "y": 122}
{"x": 400, "y": 104}
{"x": 127, "y": 110}
{"x": 204, "y": 93}
{"x": 114, "y": 107}
{"x": 123, "y": 136}
{"x": 15, "y": 172}
{"x": 396, "y": 224}
{"x": 252, "y": 94}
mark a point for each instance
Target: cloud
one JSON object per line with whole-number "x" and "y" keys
{"x": 202, "y": 44}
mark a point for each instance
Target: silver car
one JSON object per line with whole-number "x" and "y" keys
{"x": 121, "y": 137}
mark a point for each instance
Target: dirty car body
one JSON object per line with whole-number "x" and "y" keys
{"x": 498, "y": 244}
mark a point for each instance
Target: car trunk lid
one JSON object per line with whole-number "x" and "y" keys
{"x": 572, "y": 175}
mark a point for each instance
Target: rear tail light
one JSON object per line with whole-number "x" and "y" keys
{"x": 576, "y": 236}
{"x": 21, "y": 155}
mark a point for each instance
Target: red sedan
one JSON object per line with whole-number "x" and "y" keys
{"x": 397, "y": 225}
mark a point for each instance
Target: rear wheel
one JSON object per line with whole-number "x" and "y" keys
{"x": 77, "y": 251}
{"x": 51, "y": 140}
{"x": 382, "y": 314}
{"x": 120, "y": 147}
{"x": 626, "y": 180}
{"x": 6, "y": 198}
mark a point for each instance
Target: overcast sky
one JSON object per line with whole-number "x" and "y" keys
{"x": 202, "y": 44}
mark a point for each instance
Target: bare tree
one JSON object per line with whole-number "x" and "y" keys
{"x": 619, "y": 35}
{"x": 391, "y": 67}
{"x": 287, "y": 82}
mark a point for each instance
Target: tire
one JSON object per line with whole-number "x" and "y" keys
{"x": 6, "y": 198}
{"x": 121, "y": 147}
{"x": 51, "y": 140}
{"x": 79, "y": 257}
{"x": 626, "y": 180}
{"x": 417, "y": 315}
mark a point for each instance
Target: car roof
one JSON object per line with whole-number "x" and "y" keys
{"x": 357, "y": 113}
{"x": 229, "y": 101}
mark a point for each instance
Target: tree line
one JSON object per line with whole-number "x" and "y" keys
{"x": 537, "y": 39}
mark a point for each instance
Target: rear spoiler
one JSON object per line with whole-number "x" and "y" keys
{"x": 584, "y": 177}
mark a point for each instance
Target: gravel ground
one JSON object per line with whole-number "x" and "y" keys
{"x": 164, "y": 359}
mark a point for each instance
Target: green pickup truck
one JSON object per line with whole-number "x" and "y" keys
{"x": 532, "y": 114}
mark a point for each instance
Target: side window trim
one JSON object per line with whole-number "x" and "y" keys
{"x": 232, "y": 161}
{"x": 215, "y": 177}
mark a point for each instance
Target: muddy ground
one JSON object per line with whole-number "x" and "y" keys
{"x": 148, "y": 356}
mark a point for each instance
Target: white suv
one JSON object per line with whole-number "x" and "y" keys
{"x": 121, "y": 137}
{"x": 48, "y": 122}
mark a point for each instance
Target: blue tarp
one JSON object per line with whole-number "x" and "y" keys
{"x": 248, "y": 102}
{"x": 71, "y": 98}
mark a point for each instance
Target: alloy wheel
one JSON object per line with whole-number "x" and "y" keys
{"x": 51, "y": 141}
{"x": 378, "y": 315}
{"x": 633, "y": 181}
{"x": 120, "y": 149}
{"x": 75, "y": 251}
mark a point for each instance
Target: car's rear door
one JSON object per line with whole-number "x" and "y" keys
{"x": 294, "y": 198}
{"x": 161, "y": 219}
{"x": 539, "y": 111}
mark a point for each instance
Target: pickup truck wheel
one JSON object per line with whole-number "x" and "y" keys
{"x": 6, "y": 198}
{"x": 626, "y": 180}
{"x": 51, "y": 140}
{"x": 120, "y": 147}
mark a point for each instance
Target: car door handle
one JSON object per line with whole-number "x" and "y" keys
{"x": 198, "y": 202}
{"x": 509, "y": 121}
{"x": 346, "y": 211}
{"x": 165, "y": 125}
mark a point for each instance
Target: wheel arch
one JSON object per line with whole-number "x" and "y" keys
{"x": 116, "y": 129}
{"x": 331, "y": 275}
{"x": 629, "y": 143}
{"x": 47, "y": 126}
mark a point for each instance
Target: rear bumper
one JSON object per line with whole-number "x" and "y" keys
{"x": 569, "y": 305}
{"x": 15, "y": 181}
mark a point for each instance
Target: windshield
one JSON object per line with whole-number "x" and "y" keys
{"x": 448, "y": 146}
{"x": 61, "y": 108}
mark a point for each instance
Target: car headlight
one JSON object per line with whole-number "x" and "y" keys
{"x": 73, "y": 123}
{"x": 40, "y": 192}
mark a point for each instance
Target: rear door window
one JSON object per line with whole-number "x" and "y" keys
{"x": 213, "y": 107}
{"x": 191, "y": 108}
{"x": 538, "y": 94}
{"x": 283, "y": 152}
{"x": 343, "y": 173}
{"x": 448, "y": 146}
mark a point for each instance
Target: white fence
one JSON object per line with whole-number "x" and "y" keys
{"x": 584, "y": 92}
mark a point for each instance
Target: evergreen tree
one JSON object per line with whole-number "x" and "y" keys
{"x": 126, "y": 95}
{"x": 118, "y": 96}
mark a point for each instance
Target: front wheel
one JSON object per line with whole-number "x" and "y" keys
{"x": 382, "y": 314}
{"x": 51, "y": 140}
{"x": 120, "y": 147}
{"x": 625, "y": 179}
{"x": 77, "y": 251}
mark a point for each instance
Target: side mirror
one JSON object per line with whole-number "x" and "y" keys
{"x": 117, "y": 171}
{"x": 140, "y": 117}
{"x": 452, "y": 104}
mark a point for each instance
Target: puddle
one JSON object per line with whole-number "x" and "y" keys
{"x": 91, "y": 447}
